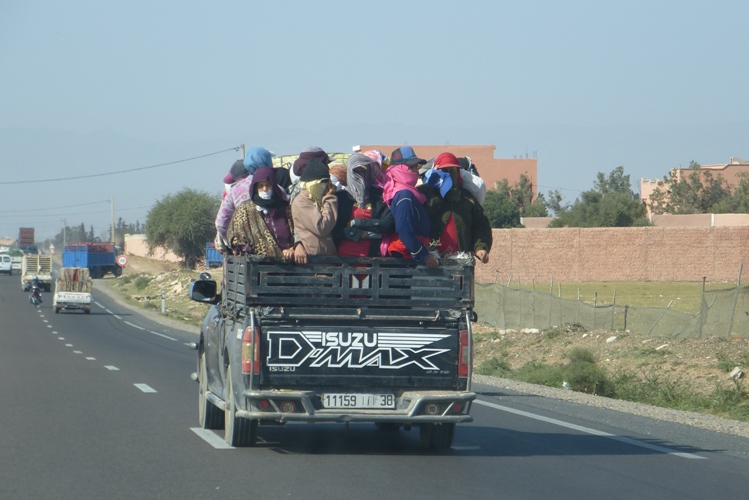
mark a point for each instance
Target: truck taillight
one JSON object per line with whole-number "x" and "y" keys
{"x": 464, "y": 354}
{"x": 251, "y": 351}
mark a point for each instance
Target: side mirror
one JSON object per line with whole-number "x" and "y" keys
{"x": 204, "y": 291}
{"x": 204, "y": 276}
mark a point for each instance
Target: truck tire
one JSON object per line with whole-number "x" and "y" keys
{"x": 117, "y": 271}
{"x": 238, "y": 432}
{"x": 437, "y": 437}
{"x": 209, "y": 416}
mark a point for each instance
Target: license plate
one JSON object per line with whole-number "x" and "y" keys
{"x": 372, "y": 401}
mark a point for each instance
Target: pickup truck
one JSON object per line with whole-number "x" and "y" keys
{"x": 379, "y": 340}
{"x": 73, "y": 290}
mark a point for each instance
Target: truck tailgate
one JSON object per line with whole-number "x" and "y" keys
{"x": 364, "y": 356}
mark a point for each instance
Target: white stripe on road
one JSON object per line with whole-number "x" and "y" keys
{"x": 145, "y": 388}
{"x": 78, "y": 352}
{"x": 161, "y": 335}
{"x": 134, "y": 326}
{"x": 588, "y": 430}
{"x": 49, "y": 326}
{"x": 91, "y": 359}
{"x": 112, "y": 368}
{"x": 118, "y": 317}
{"x": 211, "y": 438}
{"x": 45, "y": 321}
{"x": 60, "y": 338}
{"x": 68, "y": 345}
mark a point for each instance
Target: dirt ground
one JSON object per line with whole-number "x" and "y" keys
{"x": 701, "y": 363}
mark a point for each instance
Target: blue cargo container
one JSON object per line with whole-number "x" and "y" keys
{"x": 213, "y": 257}
{"x": 99, "y": 258}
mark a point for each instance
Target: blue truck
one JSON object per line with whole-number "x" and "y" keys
{"x": 213, "y": 257}
{"x": 98, "y": 258}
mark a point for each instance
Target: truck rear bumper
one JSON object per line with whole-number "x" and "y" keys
{"x": 412, "y": 407}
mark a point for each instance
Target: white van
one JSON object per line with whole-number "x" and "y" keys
{"x": 6, "y": 264}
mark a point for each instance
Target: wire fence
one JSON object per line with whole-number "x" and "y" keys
{"x": 724, "y": 313}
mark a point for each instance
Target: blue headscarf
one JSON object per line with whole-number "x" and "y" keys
{"x": 257, "y": 157}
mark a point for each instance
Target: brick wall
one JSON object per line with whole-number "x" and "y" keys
{"x": 617, "y": 254}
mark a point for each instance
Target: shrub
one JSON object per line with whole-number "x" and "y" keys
{"x": 494, "y": 366}
{"x": 581, "y": 355}
{"x": 552, "y": 333}
{"x": 584, "y": 376}
{"x": 535, "y": 372}
{"x": 141, "y": 282}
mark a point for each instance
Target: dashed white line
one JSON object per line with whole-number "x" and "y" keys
{"x": 211, "y": 438}
{"x": 161, "y": 335}
{"x": 68, "y": 345}
{"x": 91, "y": 359}
{"x": 45, "y": 321}
{"x": 145, "y": 388}
{"x": 113, "y": 368}
{"x": 49, "y": 326}
{"x": 118, "y": 317}
{"x": 588, "y": 430}
{"x": 78, "y": 352}
{"x": 134, "y": 326}
{"x": 60, "y": 338}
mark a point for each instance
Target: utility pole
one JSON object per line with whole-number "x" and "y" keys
{"x": 112, "y": 239}
{"x": 242, "y": 146}
{"x": 64, "y": 233}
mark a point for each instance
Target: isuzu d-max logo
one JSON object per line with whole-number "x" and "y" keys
{"x": 353, "y": 349}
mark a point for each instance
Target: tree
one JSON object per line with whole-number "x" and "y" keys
{"x": 500, "y": 208}
{"x": 611, "y": 203}
{"x": 697, "y": 192}
{"x": 183, "y": 223}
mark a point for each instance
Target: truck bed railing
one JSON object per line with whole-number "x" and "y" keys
{"x": 357, "y": 286}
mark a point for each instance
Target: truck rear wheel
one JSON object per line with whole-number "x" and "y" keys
{"x": 209, "y": 416}
{"x": 237, "y": 431}
{"x": 437, "y": 437}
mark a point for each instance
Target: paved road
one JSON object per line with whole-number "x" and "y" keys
{"x": 102, "y": 406}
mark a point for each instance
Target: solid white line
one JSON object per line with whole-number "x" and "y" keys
{"x": 211, "y": 438}
{"x": 145, "y": 388}
{"x": 588, "y": 430}
{"x": 134, "y": 326}
{"x": 112, "y": 368}
{"x": 161, "y": 335}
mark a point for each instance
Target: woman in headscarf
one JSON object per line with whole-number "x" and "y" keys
{"x": 314, "y": 210}
{"x": 263, "y": 224}
{"x": 411, "y": 238}
{"x": 239, "y": 191}
{"x": 363, "y": 218}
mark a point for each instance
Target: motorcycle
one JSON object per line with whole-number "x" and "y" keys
{"x": 36, "y": 294}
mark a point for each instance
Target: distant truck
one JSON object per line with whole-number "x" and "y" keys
{"x": 73, "y": 290}
{"x": 213, "y": 257}
{"x": 26, "y": 237}
{"x": 98, "y": 258}
{"x": 39, "y": 266}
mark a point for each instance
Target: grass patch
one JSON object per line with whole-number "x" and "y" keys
{"x": 581, "y": 355}
{"x": 141, "y": 282}
{"x": 494, "y": 367}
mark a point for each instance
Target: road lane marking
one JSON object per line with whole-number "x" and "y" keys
{"x": 60, "y": 338}
{"x": 112, "y": 368}
{"x": 45, "y": 321}
{"x": 588, "y": 430}
{"x": 161, "y": 335}
{"x": 145, "y": 388}
{"x": 134, "y": 326}
{"x": 90, "y": 358}
{"x": 68, "y": 345}
{"x": 49, "y": 326}
{"x": 78, "y": 352}
{"x": 211, "y": 438}
{"x": 54, "y": 333}
{"x": 118, "y": 317}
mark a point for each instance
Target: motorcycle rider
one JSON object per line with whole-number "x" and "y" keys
{"x": 35, "y": 290}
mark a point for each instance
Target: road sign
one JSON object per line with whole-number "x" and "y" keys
{"x": 122, "y": 260}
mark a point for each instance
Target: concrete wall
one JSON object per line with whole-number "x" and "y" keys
{"x": 617, "y": 254}
{"x": 135, "y": 244}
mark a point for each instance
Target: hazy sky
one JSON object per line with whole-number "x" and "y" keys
{"x": 98, "y": 87}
